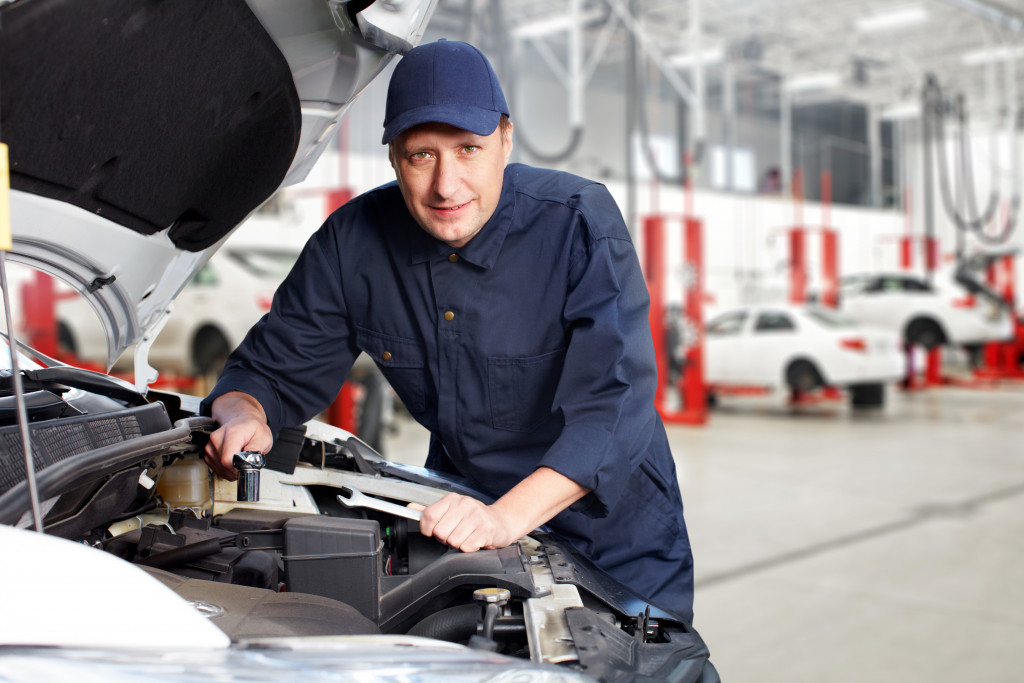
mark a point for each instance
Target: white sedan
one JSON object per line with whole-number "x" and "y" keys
{"x": 925, "y": 313}
{"x": 212, "y": 313}
{"x": 801, "y": 348}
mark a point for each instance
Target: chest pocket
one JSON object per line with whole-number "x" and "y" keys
{"x": 522, "y": 390}
{"x": 403, "y": 362}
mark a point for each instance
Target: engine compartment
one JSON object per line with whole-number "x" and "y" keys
{"x": 300, "y": 563}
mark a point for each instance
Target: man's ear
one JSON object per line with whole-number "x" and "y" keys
{"x": 507, "y": 141}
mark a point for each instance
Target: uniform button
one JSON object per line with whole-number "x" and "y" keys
{"x": 449, "y": 316}
{"x": 386, "y": 355}
{"x": 453, "y": 257}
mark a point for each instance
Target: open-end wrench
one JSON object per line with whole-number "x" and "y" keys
{"x": 355, "y": 498}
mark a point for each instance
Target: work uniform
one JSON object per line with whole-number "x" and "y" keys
{"x": 528, "y": 346}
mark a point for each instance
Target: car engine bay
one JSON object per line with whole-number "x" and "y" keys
{"x": 300, "y": 561}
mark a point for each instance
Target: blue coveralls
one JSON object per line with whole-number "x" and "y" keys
{"x": 528, "y": 346}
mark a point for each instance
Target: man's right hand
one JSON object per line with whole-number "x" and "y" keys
{"x": 243, "y": 427}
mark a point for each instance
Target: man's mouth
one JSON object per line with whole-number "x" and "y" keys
{"x": 449, "y": 209}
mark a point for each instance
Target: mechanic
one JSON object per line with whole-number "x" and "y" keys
{"x": 506, "y": 306}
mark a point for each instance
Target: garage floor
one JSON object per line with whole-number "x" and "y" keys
{"x": 832, "y": 546}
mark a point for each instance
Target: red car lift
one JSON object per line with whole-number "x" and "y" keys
{"x": 933, "y": 359}
{"x": 1000, "y": 359}
{"x": 798, "y": 263}
{"x": 692, "y": 391}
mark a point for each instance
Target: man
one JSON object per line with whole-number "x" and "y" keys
{"x": 506, "y": 306}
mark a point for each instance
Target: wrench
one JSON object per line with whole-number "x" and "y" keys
{"x": 355, "y": 498}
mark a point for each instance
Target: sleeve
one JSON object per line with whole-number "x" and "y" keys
{"x": 606, "y": 390}
{"x": 295, "y": 359}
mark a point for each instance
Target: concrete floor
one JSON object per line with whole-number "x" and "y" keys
{"x": 833, "y": 546}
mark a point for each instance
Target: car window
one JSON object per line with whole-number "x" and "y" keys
{"x": 853, "y": 285}
{"x": 730, "y": 323}
{"x": 878, "y": 284}
{"x": 773, "y": 321}
{"x": 911, "y": 284}
{"x": 205, "y": 277}
{"x": 271, "y": 263}
{"x": 831, "y": 318}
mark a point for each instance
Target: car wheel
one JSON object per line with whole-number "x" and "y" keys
{"x": 867, "y": 395}
{"x": 924, "y": 332}
{"x": 802, "y": 376}
{"x": 209, "y": 353}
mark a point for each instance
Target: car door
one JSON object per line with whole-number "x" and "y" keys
{"x": 724, "y": 345}
{"x": 773, "y": 340}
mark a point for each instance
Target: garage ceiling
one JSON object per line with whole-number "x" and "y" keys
{"x": 770, "y": 42}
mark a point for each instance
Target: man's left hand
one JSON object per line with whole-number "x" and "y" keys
{"x": 467, "y": 524}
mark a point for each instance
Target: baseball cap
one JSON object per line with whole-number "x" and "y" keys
{"x": 444, "y": 82}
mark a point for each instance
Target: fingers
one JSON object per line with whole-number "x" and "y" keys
{"x": 464, "y": 523}
{"x": 233, "y": 437}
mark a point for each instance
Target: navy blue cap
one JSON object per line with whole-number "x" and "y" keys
{"x": 444, "y": 82}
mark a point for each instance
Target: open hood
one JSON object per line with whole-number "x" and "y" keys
{"x": 142, "y": 133}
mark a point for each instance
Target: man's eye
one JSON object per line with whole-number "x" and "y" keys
{"x": 469, "y": 149}
{"x": 419, "y": 156}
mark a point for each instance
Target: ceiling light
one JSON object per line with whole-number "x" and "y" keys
{"x": 706, "y": 56}
{"x": 555, "y": 24}
{"x": 818, "y": 80}
{"x": 900, "y": 18}
{"x": 992, "y": 54}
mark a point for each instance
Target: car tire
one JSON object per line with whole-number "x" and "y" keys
{"x": 803, "y": 376}
{"x": 924, "y": 332}
{"x": 867, "y": 395}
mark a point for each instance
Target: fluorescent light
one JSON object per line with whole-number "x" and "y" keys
{"x": 709, "y": 55}
{"x": 992, "y": 54}
{"x": 555, "y": 24}
{"x": 903, "y": 110}
{"x": 816, "y": 80}
{"x": 899, "y": 18}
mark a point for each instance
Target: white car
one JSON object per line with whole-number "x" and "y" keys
{"x": 927, "y": 314}
{"x": 211, "y": 315}
{"x": 800, "y": 348}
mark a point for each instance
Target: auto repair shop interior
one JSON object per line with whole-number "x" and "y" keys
{"x": 825, "y": 198}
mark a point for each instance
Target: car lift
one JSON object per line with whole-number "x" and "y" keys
{"x": 930, "y": 244}
{"x": 798, "y": 270}
{"x": 1001, "y": 360}
{"x": 692, "y": 389}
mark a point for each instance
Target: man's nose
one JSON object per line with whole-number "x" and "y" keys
{"x": 446, "y": 178}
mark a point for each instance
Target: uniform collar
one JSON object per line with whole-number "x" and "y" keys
{"x": 485, "y": 246}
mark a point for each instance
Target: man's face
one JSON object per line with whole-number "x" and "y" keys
{"x": 450, "y": 178}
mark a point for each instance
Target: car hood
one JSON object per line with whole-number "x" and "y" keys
{"x": 142, "y": 135}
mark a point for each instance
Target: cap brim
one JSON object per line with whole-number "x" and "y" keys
{"x": 474, "y": 119}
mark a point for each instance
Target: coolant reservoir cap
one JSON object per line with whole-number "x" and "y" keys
{"x": 500, "y": 595}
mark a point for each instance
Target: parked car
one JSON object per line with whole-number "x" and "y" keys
{"x": 138, "y": 147}
{"x": 801, "y": 349}
{"x": 211, "y": 315}
{"x": 930, "y": 314}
